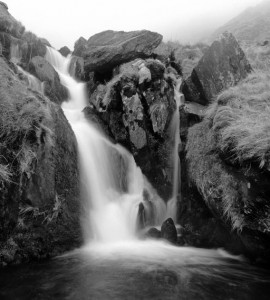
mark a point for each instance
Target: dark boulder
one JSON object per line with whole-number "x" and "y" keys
{"x": 153, "y": 233}
{"x": 223, "y": 65}
{"x": 65, "y": 51}
{"x": 45, "y": 72}
{"x": 108, "y": 49}
{"x": 168, "y": 231}
{"x": 39, "y": 181}
{"x": 141, "y": 217}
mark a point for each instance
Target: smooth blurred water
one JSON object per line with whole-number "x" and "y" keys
{"x": 140, "y": 270}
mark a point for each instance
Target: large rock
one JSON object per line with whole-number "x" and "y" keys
{"x": 228, "y": 162}
{"x": 223, "y": 65}
{"x": 45, "y": 72}
{"x": 137, "y": 110}
{"x": 108, "y": 49}
{"x": 65, "y": 51}
{"x": 39, "y": 181}
{"x": 168, "y": 231}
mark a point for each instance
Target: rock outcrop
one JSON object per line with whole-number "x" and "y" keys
{"x": 228, "y": 162}
{"x": 45, "y": 72}
{"x": 39, "y": 184}
{"x": 223, "y": 65}
{"x": 108, "y": 49}
{"x": 65, "y": 51}
{"x": 136, "y": 107}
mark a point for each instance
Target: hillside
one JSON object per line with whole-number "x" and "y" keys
{"x": 252, "y": 25}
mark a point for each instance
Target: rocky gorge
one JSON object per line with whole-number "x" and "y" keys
{"x": 223, "y": 201}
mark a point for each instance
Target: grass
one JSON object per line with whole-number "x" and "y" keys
{"x": 258, "y": 56}
{"x": 22, "y": 128}
{"x": 233, "y": 136}
{"x": 240, "y": 120}
{"x": 219, "y": 188}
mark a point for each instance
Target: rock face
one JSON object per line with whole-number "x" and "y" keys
{"x": 228, "y": 162}
{"x": 168, "y": 231}
{"x": 137, "y": 110}
{"x": 65, "y": 51}
{"x": 76, "y": 68}
{"x": 79, "y": 47}
{"x": 223, "y": 65}
{"x": 45, "y": 72}
{"x": 39, "y": 185}
{"x": 108, "y": 49}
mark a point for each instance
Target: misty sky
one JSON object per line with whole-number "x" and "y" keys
{"x": 63, "y": 22}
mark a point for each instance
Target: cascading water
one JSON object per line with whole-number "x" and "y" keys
{"x": 172, "y": 203}
{"x": 113, "y": 184}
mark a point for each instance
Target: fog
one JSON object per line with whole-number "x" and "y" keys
{"x": 63, "y": 22}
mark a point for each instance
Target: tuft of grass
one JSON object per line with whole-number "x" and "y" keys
{"x": 240, "y": 120}
{"x": 23, "y": 125}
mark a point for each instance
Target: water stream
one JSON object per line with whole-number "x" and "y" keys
{"x": 114, "y": 263}
{"x": 112, "y": 183}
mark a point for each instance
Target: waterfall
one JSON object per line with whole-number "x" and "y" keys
{"x": 172, "y": 203}
{"x": 112, "y": 184}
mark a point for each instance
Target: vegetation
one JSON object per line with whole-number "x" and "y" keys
{"x": 240, "y": 120}
{"x": 258, "y": 55}
{"x": 233, "y": 136}
{"x": 22, "y": 125}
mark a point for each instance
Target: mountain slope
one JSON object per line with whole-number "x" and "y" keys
{"x": 252, "y": 25}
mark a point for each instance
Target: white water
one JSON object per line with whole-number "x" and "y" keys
{"x": 172, "y": 203}
{"x": 112, "y": 183}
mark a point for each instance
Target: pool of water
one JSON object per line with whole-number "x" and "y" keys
{"x": 137, "y": 270}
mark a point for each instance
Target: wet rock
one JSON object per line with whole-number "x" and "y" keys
{"x": 223, "y": 65}
{"x": 45, "y": 72}
{"x": 138, "y": 115}
{"x": 108, "y": 49}
{"x": 153, "y": 233}
{"x": 168, "y": 231}
{"x": 141, "y": 217}
{"x": 76, "y": 68}
{"x": 65, "y": 51}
